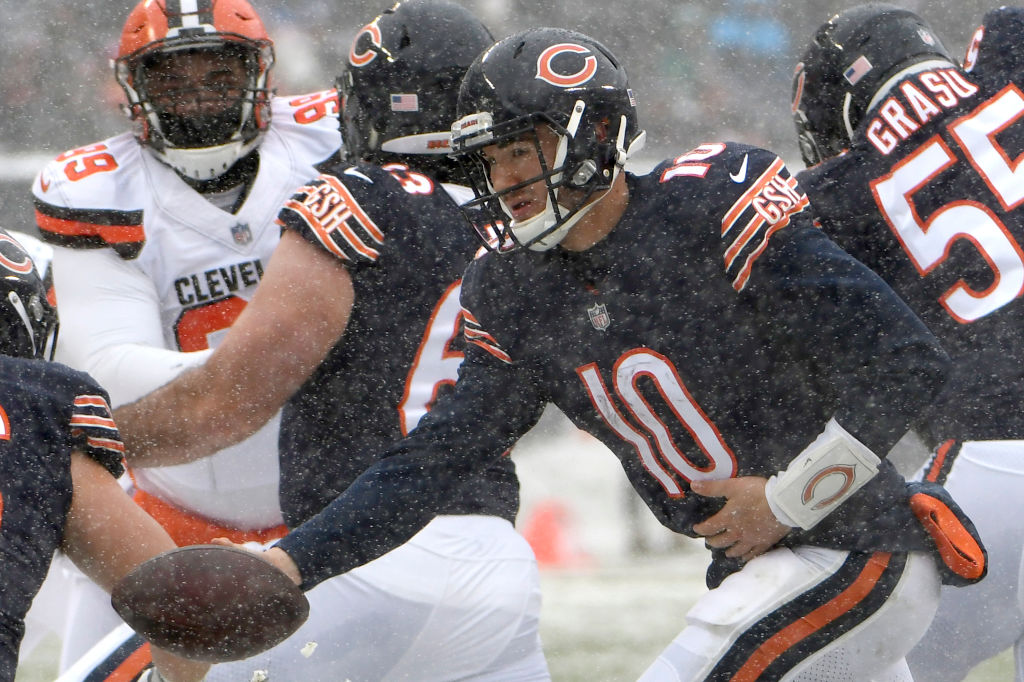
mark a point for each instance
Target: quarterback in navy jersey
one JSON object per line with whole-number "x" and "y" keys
{"x": 356, "y": 330}
{"x": 911, "y": 169}
{"x": 730, "y": 355}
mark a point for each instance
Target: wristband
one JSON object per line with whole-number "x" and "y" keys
{"x": 820, "y": 478}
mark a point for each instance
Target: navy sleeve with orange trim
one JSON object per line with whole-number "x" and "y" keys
{"x": 94, "y": 432}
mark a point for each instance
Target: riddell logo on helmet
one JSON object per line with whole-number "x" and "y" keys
{"x": 439, "y": 144}
{"x": 547, "y": 73}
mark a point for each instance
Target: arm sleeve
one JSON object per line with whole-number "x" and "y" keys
{"x": 881, "y": 364}
{"x": 110, "y": 324}
{"x": 492, "y": 405}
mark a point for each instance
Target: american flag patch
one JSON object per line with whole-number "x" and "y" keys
{"x": 408, "y": 102}
{"x": 857, "y": 70}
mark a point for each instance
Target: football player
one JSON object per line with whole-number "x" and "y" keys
{"x": 912, "y": 170}
{"x": 747, "y": 373}
{"x": 60, "y": 455}
{"x": 359, "y": 313}
{"x": 161, "y": 236}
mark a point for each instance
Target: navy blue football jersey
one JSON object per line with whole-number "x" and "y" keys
{"x": 403, "y": 239}
{"x": 711, "y": 334}
{"x": 46, "y": 411}
{"x": 928, "y": 196}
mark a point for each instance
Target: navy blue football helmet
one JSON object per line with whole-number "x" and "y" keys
{"x": 28, "y": 323}
{"x": 401, "y": 81}
{"x": 851, "y": 58}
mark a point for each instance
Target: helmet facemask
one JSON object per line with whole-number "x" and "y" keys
{"x": 199, "y": 128}
{"x": 849, "y": 64}
{"x": 577, "y": 178}
{"x": 31, "y": 326}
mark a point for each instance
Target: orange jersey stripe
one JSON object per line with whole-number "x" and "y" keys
{"x": 92, "y": 420}
{"x": 743, "y": 202}
{"x": 938, "y": 461}
{"x": 748, "y": 233}
{"x": 91, "y": 401}
{"x": 188, "y": 529}
{"x": 744, "y": 274}
{"x": 357, "y": 211}
{"x": 112, "y": 234}
{"x": 322, "y": 235}
{"x": 799, "y": 630}
{"x": 106, "y": 444}
{"x": 496, "y": 352}
{"x": 132, "y": 666}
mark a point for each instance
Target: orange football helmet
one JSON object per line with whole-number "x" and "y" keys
{"x": 199, "y": 147}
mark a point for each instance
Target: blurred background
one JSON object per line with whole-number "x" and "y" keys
{"x": 703, "y": 70}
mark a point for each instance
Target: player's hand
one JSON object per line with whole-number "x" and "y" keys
{"x": 273, "y": 556}
{"x": 171, "y": 668}
{"x": 745, "y": 527}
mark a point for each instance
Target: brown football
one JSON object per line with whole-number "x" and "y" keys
{"x": 210, "y": 603}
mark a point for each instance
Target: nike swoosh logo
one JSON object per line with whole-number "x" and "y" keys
{"x": 357, "y": 174}
{"x": 741, "y": 175}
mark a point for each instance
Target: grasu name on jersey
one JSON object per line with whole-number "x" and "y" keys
{"x": 914, "y": 103}
{"x": 218, "y": 282}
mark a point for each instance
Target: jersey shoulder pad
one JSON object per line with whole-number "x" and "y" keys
{"x": 307, "y": 125}
{"x": 89, "y": 197}
{"x": 73, "y": 405}
{"x": 741, "y": 194}
{"x": 331, "y": 211}
{"x": 350, "y": 209}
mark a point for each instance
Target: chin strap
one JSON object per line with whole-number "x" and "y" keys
{"x": 206, "y": 163}
{"x": 543, "y": 221}
{"x": 622, "y": 154}
{"x": 19, "y": 308}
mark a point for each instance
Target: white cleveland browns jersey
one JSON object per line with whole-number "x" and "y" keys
{"x": 149, "y": 274}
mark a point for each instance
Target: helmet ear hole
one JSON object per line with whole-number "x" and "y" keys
{"x": 583, "y": 174}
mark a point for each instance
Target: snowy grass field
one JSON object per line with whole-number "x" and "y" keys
{"x": 599, "y": 624}
{"x": 616, "y": 584}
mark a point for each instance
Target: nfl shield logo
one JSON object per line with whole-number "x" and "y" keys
{"x": 599, "y": 317}
{"x": 241, "y": 233}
